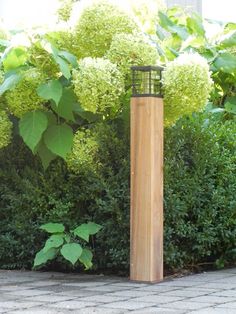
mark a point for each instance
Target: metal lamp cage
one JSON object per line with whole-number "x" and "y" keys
{"x": 146, "y": 81}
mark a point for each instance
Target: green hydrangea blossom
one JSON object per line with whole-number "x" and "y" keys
{"x": 98, "y": 85}
{"x": 5, "y": 129}
{"x": 84, "y": 150}
{"x": 187, "y": 85}
{"x": 96, "y": 27}
{"x": 24, "y": 97}
{"x": 42, "y": 60}
{"x": 128, "y": 49}
{"x": 65, "y": 9}
{"x": 88, "y": 148}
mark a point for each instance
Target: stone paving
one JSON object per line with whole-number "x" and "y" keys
{"x": 57, "y": 293}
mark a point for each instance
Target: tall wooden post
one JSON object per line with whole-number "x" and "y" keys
{"x": 146, "y": 179}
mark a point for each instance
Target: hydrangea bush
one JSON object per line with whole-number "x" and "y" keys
{"x": 88, "y": 153}
{"x": 96, "y": 27}
{"x": 5, "y": 129}
{"x": 72, "y": 77}
{"x": 84, "y": 149}
{"x": 23, "y": 97}
{"x": 131, "y": 49}
{"x": 187, "y": 85}
{"x": 98, "y": 84}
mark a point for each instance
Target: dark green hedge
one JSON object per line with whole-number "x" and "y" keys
{"x": 200, "y": 198}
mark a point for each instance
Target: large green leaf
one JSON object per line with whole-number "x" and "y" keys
{"x": 85, "y": 230}
{"x": 52, "y": 119}
{"x": 86, "y": 258}
{"x": 53, "y": 227}
{"x": 65, "y": 106}
{"x": 32, "y": 125}
{"x": 69, "y": 58}
{"x": 45, "y": 154}
{"x": 71, "y": 252}
{"x": 181, "y": 31}
{"x": 160, "y": 32}
{"x": 10, "y": 82}
{"x": 50, "y": 90}
{"x": 42, "y": 257}
{"x": 195, "y": 25}
{"x": 93, "y": 228}
{"x": 170, "y": 26}
{"x": 14, "y": 58}
{"x": 229, "y": 41}
{"x": 82, "y": 232}
{"x": 226, "y": 62}
{"x": 209, "y": 54}
{"x": 59, "y": 139}
{"x": 55, "y": 241}
{"x": 64, "y": 66}
{"x": 164, "y": 20}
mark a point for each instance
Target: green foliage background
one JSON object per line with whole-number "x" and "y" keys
{"x": 200, "y": 187}
{"x": 90, "y": 182}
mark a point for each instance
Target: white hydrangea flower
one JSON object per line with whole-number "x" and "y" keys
{"x": 84, "y": 150}
{"x": 98, "y": 85}
{"x": 23, "y": 97}
{"x": 131, "y": 49}
{"x": 97, "y": 25}
{"x": 187, "y": 85}
{"x": 5, "y": 129}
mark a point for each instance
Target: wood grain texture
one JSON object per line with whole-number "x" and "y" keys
{"x": 146, "y": 254}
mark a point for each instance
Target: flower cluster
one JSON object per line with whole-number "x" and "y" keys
{"x": 84, "y": 150}
{"x": 129, "y": 49}
{"x": 98, "y": 85}
{"x": 96, "y": 27}
{"x": 94, "y": 146}
{"x": 23, "y": 97}
{"x": 187, "y": 84}
{"x": 5, "y": 129}
{"x": 65, "y": 9}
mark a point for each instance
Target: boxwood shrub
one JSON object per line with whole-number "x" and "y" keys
{"x": 200, "y": 202}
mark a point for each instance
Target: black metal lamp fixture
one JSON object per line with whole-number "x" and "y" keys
{"x": 146, "y": 81}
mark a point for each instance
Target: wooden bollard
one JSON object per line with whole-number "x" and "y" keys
{"x": 146, "y": 219}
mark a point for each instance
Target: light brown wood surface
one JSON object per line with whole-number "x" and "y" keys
{"x": 146, "y": 254}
